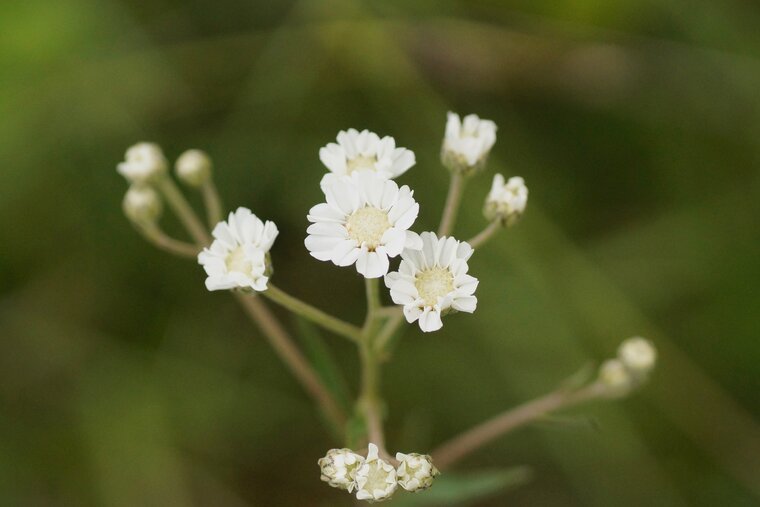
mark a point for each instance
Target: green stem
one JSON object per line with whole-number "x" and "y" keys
{"x": 183, "y": 210}
{"x": 156, "y": 236}
{"x": 372, "y": 289}
{"x": 316, "y": 315}
{"x": 212, "y": 202}
{"x": 386, "y": 333}
{"x": 450, "y": 209}
{"x": 486, "y": 234}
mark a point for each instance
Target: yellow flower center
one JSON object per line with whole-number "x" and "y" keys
{"x": 360, "y": 162}
{"x": 367, "y": 225}
{"x": 237, "y": 262}
{"x": 434, "y": 283}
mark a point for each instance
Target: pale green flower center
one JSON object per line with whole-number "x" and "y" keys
{"x": 377, "y": 479}
{"x": 236, "y": 261}
{"x": 360, "y": 162}
{"x": 434, "y": 283}
{"x": 367, "y": 225}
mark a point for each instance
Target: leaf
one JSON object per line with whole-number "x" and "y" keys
{"x": 324, "y": 363}
{"x": 464, "y": 489}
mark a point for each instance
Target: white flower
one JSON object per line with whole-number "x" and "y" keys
{"x": 338, "y": 468}
{"x": 364, "y": 221}
{"x": 467, "y": 143}
{"x": 615, "y": 377}
{"x": 637, "y": 354}
{"x": 506, "y": 201}
{"x": 142, "y": 204}
{"x": 416, "y": 471}
{"x": 434, "y": 281}
{"x": 375, "y": 479}
{"x": 143, "y": 162}
{"x": 238, "y": 256}
{"x": 365, "y": 150}
{"x": 193, "y": 167}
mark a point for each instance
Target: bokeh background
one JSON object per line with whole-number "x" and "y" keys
{"x": 636, "y": 124}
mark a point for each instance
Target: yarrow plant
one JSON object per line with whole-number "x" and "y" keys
{"x": 365, "y": 223}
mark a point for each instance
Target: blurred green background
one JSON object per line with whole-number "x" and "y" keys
{"x": 635, "y": 124}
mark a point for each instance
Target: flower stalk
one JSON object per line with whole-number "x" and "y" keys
{"x": 451, "y": 207}
{"x": 487, "y": 233}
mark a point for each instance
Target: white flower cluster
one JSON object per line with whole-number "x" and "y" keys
{"x": 635, "y": 359}
{"x": 467, "y": 142}
{"x": 373, "y": 478}
{"x": 507, "y": 199}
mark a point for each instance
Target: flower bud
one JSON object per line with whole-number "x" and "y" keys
{"x": 376, "y": 478}
{"x": 615, "y": 377}
{"x": 638, "y": 355}
{"x": 506, "y": 201}
{"x": 142, "y": 205}
{"x": 143, "y": 162}
{"x": 338, "y": 468}
{"x": 193, "y": 168}
{"x": 467, "y": 143}
{"x": 416, "y": 471}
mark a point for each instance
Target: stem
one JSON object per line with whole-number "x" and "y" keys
{"x": 212, "y": 202}
{"x": 449, "y": 217}
{"x": 373, "y": 301}
{"x": 292, "y": 357}
{"x": 387, "y": 331}
{"x": 153, "y": 234}
{"x": 183, "y": 210}
{"x": 473, "y": 439}
{"x": 369, "y": 401}
{"x": 315, "y": 315}
{"x": 486, "y": 234}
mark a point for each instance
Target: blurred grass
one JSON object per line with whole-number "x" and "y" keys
{"x": 122, "y": 382}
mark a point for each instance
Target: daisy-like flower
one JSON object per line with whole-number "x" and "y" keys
{"x": 376, "y": 478}
{"x": 507, "y": 200}
{"x": 638, "y": 355}
{"x": 338, "y": 468}
{"x": 416, "y": 471}
{"x": 238, "y": 256}
{"x": 364, "y": 222}
{"x": 193, "y": 167}
{"x": 142, "y": 163}
{"x": 365, "y": 150}
{"x": 467, "y": 142}
{"x": 434, "y": 281}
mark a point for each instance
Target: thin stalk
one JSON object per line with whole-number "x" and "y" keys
{"x": 473, "y": 439}
{"x": 154, "y": 235}
{"x": 183, "y": 210}
{"x": 371, "y": 287}
{"x": 212, "y": 202}
{"x": 450, "y": 209}
{"x": 490, "y": 231}
{"x": 283, "y": 345}
{"x": 315, "y": 315}
{"x": 386, "y": 333}
{"x": 369, "y": 400}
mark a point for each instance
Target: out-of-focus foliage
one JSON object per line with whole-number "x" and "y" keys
{"x": 635, "y": 124}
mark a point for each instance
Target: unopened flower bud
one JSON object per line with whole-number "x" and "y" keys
{"x": 339, "y": 467}
{"x": 467, "y": 143}
{"x": 615, "y": 377}
{"x": 416, "y": 471}
{"x": 507, "y": 200}
{"x": 638, "y": 355}
{"x": 193, "y": 168}
{"x": 142, "y": 205}
{"x": 143, "y": 162}
{"x": 376, "y": 478}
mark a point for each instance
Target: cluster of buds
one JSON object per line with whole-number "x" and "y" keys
{"x": 635, "y": 359}
{"x": 374, "y": 479}
{"x": 507, "y": 200}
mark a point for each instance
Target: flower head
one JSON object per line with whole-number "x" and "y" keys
{"x": 615, "y": 378}
{"x": 238, "y": 256}
{"x": 433, "y": 281}
{"x": 506, "y": 201}
{"x": 376, "y": 478}
{"x": 638, "y": 355}
{"x": 416, "y": 471}
{"x": 141, "y": 204}
{"x": 364, "y": 222}
{"x": 467, "y": 142}
{"x": 366, "y": 150}
{"x": 193, "y": 167}
{"x": 142, "y": 163}
{"x": 339, "y": 467}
